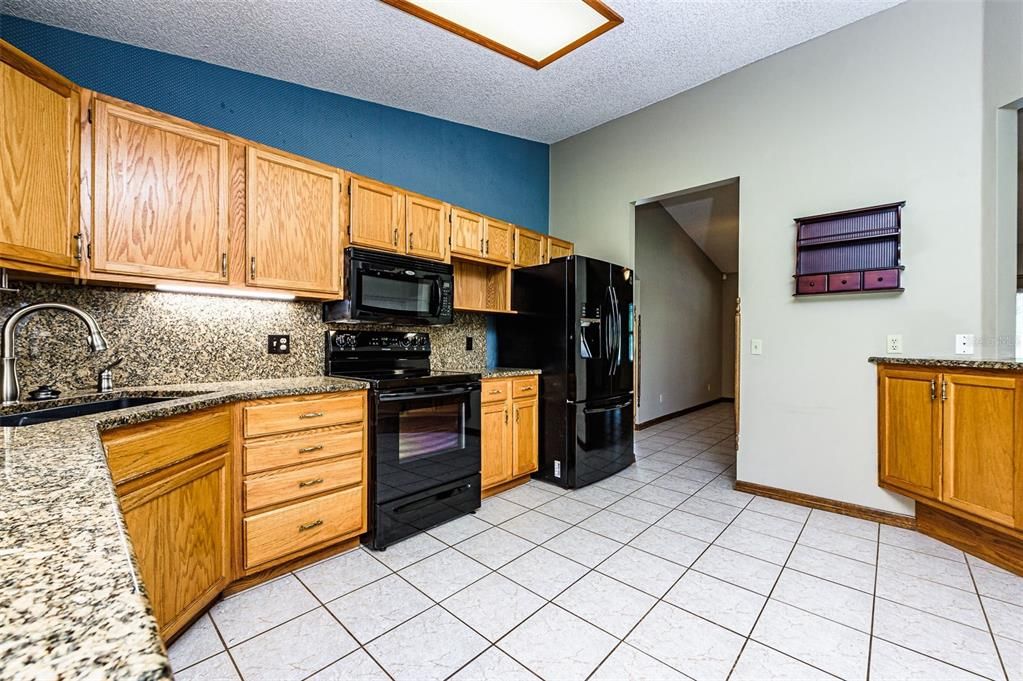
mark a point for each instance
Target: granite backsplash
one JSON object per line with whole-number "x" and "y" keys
{"x": 182, "y": 338}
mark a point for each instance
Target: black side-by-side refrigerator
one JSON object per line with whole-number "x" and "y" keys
{"x": 574, "y": 322}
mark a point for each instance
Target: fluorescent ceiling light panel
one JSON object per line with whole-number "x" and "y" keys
{"x": 227, "y": 291}
{"x": 534, "y": 32}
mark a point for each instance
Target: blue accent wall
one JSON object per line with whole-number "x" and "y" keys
{"x": 499, "y": 175}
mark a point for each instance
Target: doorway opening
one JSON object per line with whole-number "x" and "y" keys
{"x": 687, "y": 292}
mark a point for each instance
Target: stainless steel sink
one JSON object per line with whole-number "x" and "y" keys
{"x": 70, "y": 411}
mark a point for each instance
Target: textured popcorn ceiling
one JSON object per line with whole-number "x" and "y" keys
{"x": 369, "y": 50}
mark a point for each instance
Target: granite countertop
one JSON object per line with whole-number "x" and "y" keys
{"x": 71, "y": 605}
{"x": 507, "y": 372}
{"x": 997, "y": 362}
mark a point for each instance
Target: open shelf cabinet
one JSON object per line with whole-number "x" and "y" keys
{"x": 855, "y": 251}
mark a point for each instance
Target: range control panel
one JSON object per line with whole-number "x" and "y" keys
{"x": 377, "y": 341}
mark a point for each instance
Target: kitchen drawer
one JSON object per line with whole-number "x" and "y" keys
{"x": 494, "y": 391}
{"x": 301, "y": 525}
{"x": 881, "y": 279}
{"x": 525, "y": 387}
{"x": 283, "y": 417}
{"x": 812, "y": 283}
{"x": 844, "y": 282}
{"x": 278, "y": 487}
{"x": 134, "y": 451}
{"x": 288, "y": 450}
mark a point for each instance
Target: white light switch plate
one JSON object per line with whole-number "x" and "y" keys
{"x": 964, "y": 343}
{"x": 756, "y": 346}
{"x": 894, "y": 344}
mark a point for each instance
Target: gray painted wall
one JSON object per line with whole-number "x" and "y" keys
{"x": 729, "y": 292}
{"x": 889, "y": 108}
{"x": 681, "y": 308}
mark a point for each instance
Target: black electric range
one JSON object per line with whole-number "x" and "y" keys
{"x": 424, "y": 431}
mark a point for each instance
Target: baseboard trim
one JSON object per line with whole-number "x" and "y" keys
{"x": 682, "y": 412}
{"x": 824, "y": 504}
{"x": 999, "y": 548}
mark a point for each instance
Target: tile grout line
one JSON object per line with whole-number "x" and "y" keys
{"x": 991, "y": 631}
{"x": 873, "y": 603}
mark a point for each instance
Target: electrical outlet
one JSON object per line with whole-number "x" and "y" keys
{"x": 964, "y": 343}
{"x": 468, "y": 343}
{"x": 756, "y": 346}
{"x": 278, "y": 344}
{"x": 893, "y": 346}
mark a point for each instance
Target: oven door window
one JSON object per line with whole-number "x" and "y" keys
{"x": 401, "y": 295}
{"x": 431, "y": 430}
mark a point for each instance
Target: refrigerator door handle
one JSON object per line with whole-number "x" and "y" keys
{"x": 614, "y": 407}
{"x": 607, "y": 329}
{"x": 616, "y": 329}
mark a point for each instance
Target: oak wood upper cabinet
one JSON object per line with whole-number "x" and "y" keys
{"x": 375, "y": 220}
{"x": 982, "y": 453}
{"x": 426, "y": 227}
{"x": 498, "y": 242}
{"x": 160, "y": 196}
{"x": 466, "y": 233}
{"x": 909, "y": 413}
{"x": 293, "y": 228}
{"x": 558, "y": 248}
{"x": 39, "y": 164}
{"x": 530, "y": 248}
{"x": 495, "y": 444}
{"x": 172, "y": 477}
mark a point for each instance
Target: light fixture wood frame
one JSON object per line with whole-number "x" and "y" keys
{"x": 612, "y": 19}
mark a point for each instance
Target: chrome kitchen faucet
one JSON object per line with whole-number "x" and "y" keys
{"x": 11, "y": 389}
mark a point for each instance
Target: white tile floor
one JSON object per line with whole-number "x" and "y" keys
{"x": 661, "y": 572}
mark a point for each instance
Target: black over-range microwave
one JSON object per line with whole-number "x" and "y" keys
{"x": 393, "y": 289}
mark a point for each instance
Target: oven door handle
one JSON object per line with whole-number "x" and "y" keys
{"x": 408, "y": 396}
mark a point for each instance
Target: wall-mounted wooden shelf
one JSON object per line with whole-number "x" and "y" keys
{"x": 855, "y": 251}
{"x": 481, "y": 287}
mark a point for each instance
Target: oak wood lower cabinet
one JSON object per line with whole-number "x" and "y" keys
{"x": 953, "y": 440}
{"x": 302, "y": 474}
{"x": 174, "y": 495}
{"x": 510, "y": 431}
{"x": 39, "y": 163}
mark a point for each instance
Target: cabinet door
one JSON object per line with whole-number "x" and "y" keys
{"x": 293, "y": 227}
{"x": 376, "y": 220}
{"x": 495, "y": 461}
{"x": 558, "y": 248}
{"x": 983, "y": 419}
{"x": 525, "y": 437}
{"x": 909, "y": 415}
{"x": 426, "y": 222}
{"x": 160, "y": 197}
{"x": 466, "y": 233}
{"x": 39, "y": 116}
{"x": 179, "y": 531}
{"x": 498, "y": 242}
{"x": 529, "y": 248}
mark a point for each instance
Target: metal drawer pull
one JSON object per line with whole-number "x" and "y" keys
{"x": 314, "y": 448}
{"x": 495, "y": 392}
{"x": 309, "y": 526}
{"x": 310, "y": 483}
{"x": 528, "y": 387}
{"x": 311, "y": 415}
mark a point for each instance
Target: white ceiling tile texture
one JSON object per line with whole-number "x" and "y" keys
{"x": 372, "y": 51}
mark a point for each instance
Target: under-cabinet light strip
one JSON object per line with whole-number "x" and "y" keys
{"x": 230, "y": 292}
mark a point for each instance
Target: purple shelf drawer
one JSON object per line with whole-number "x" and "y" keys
{"x": 881, "y": 279}
{"x": 812, "y": 283}
{"x": 844, "y": 282}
